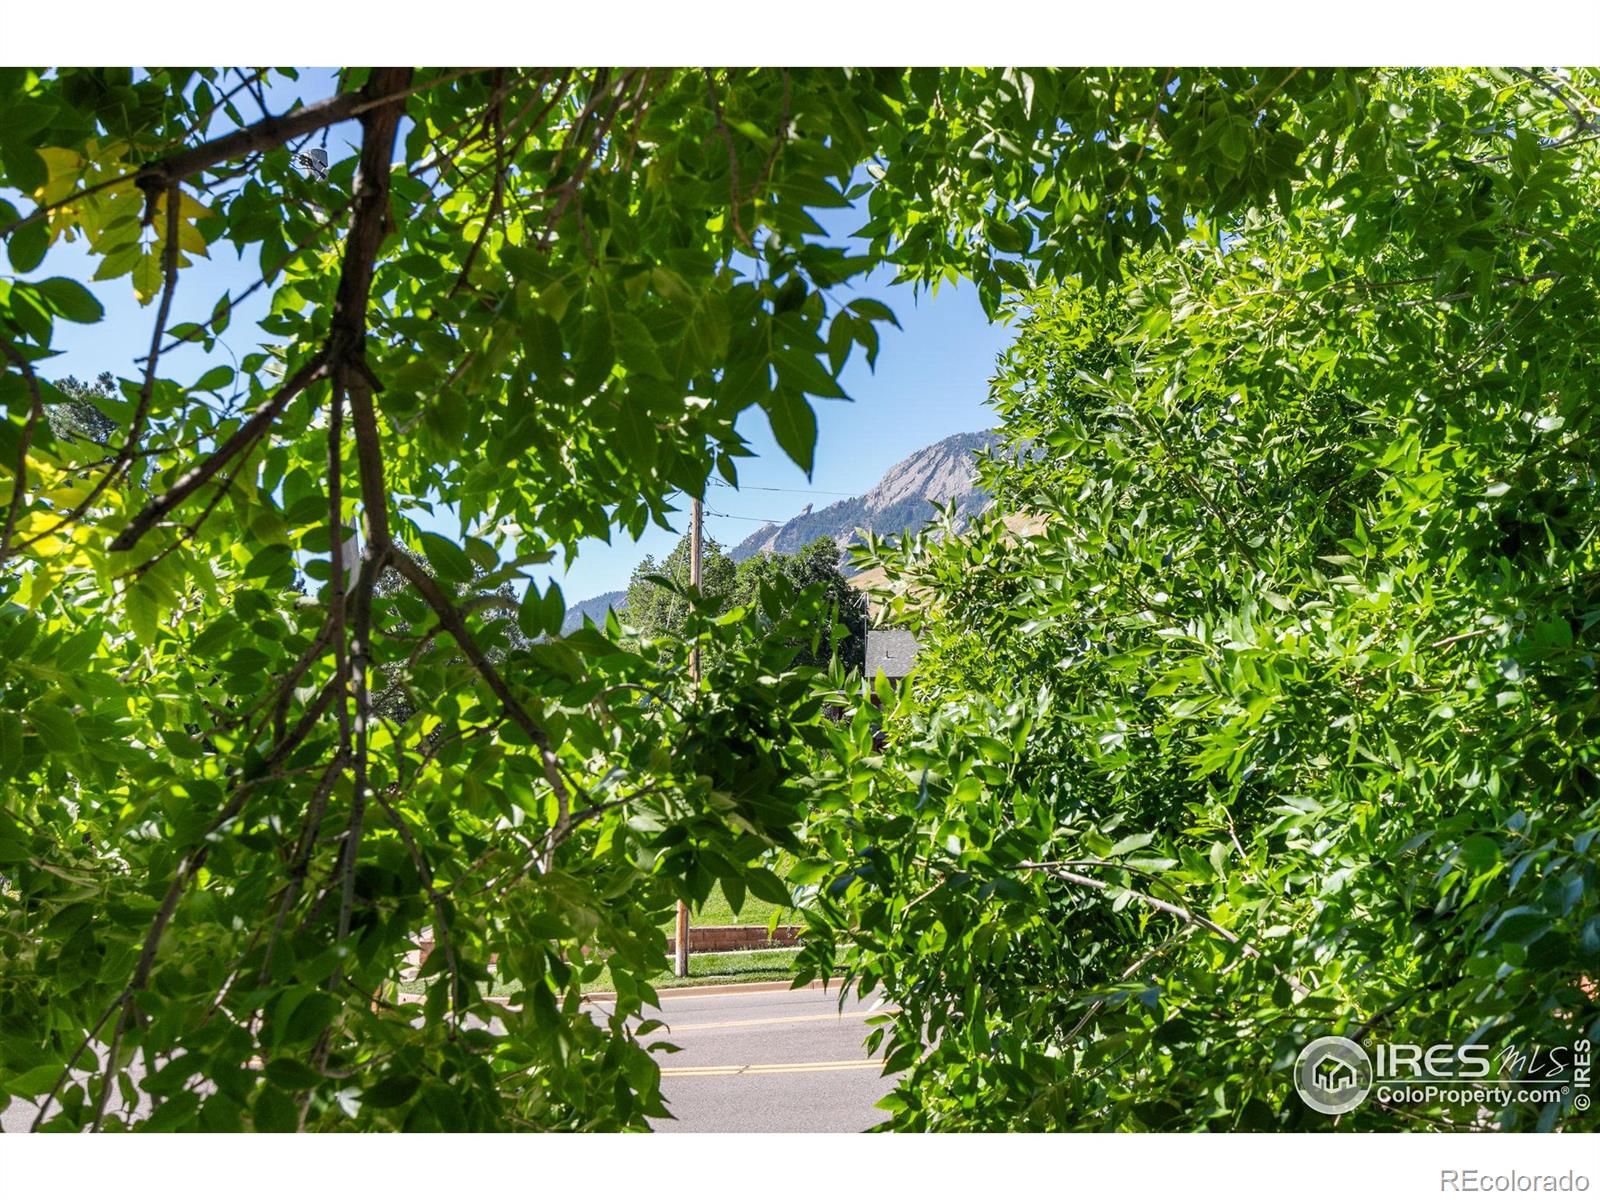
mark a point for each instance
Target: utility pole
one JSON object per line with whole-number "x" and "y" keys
{"x": 680, "y": 965}
{"x": 696, "y": 537}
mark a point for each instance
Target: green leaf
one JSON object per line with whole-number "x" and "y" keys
{"x": 35, "y": 1081}
{"x": 70, "y": 299}
{"x": 635, "y": 347}
{"x": 292, "y": 1075}
{"x": 1136, "y": 841}
{"x": 1478, "y": 853}
{"x": 764, "y": 885}
{"x": 21, "y": 119}
{"x": 874, "y": 310}
{"x": 390, "y": 1092}
{"x": 214, "y": 379}
{"x": 794, "y": 426}
{"x": 733, "y": 891}
{"x": 806, "y": 872}
{"x": 554, "y": 609}
{"x": 27, "y": 246}
{"x": 1002, "y": 237}
{"x": 541, "y": 615}
{"x": 801, "y": 372}
{"x": 448, "y": 560}
{"x": 55, "y": 727}
{"x": 10, "y": 743}
{"x": 541, "y": 341}
{"x": 274, "y": 1111}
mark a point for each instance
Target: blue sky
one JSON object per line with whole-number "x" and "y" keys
{"x": 931, "y": 381}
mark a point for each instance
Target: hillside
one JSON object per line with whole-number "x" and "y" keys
{"x": 594, "y": 607}
{"x": 902, "y": 499}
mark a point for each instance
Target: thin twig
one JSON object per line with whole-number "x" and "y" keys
{"x": 496, "y": 201}
{"x": 301, "y": 862}
{"x": 66, "y": 1070}
{"x": 19, "y": 485}
{"x": 1186, "y": 915}
{"x": 1153, "y": 952}
{"x": 733, "y": 157}
{"x": 1459, "y": 637}
{"x": 247, "y": 433}
{"x": 141, "y": 413}
{"x": 435, "y": 897}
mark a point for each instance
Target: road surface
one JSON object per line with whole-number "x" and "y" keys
{"x": 752, "y": 1061}
{"x": 768, "y": 1062}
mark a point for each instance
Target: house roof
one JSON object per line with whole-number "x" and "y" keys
{"x": 892, "y": 651}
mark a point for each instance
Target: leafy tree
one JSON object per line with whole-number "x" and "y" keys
{"x": 771, "y": 581}
{"x": 659, "y": 601}
{"x": 541, "y": 298}
{"x": 1285, "y": 723}
{"x": 657, "y": 611}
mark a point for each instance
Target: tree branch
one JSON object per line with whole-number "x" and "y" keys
{"x": 19, "y": 485}
{"x": 436, "y": 898}
{"x": 274, "y": 131}
{"x": 190, "y": 865}
{"x": 454, "y": 623}
{"x": 496, "y": 198}
{"x": 1187, "y": 916}
{"x": 141, "y": 414}
{"x": 369, "y": 223}
{"x": 301, "y": 863}
{"x": 1154, "y": 952}
{"x": 247, "y": 434}
{"x": 733, "y": 158}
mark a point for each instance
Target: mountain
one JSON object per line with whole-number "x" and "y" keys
{"x": 595, "y": 607}
{"x": 902, "y": 499}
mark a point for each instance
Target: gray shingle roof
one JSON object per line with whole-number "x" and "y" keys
{"x": 892, "y": 651}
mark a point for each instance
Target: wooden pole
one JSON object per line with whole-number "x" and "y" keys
{"x": 680, "y": 965}
{"x": 696, "y": 536}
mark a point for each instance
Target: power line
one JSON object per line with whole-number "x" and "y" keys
{"x": 711, "y": 512}
{"x": 736, "y": 517}
{"x": 752, "y": 487}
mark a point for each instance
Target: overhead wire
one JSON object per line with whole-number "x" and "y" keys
{"x": 736, "y": 517}
{"x": 753, "y": 487}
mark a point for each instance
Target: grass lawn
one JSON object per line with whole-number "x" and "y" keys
{"x": 717, "y": 911}
{"x": 728, "y": 966}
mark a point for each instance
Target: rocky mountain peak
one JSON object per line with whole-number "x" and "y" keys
{"x": 902, "y": 499}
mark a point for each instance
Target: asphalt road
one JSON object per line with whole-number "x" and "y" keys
{"x": 776, "y": 1061}
{"x": 768, "y": 1062}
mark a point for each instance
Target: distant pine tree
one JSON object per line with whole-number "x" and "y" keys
{"x": 78, "y": 417}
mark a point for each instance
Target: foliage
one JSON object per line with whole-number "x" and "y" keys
{"x": 1286, "y": 722}
{"x": 215, "y": 850}
{"x": 538, "y": 301}
{"x": 770, "y": 581}
{"x": 78, "y": 414}
{"x": 658, "y": 602}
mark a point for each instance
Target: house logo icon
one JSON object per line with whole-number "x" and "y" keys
{"x": 1333, "y": 1075}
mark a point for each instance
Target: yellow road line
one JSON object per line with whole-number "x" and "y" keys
{"x": 848, "y": 1064}
{"x": 857, "y": 1016}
